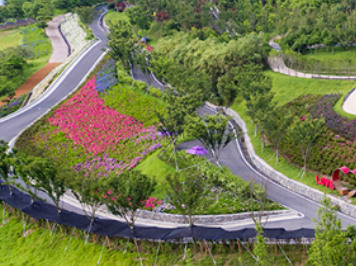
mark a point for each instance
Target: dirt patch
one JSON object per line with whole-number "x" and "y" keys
{"x": 34, "y": 79}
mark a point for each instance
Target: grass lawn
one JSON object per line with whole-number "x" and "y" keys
{"x": 37, "y": 64}
{"x": 287, "y": 88}
{"x": 36, "y": 249}
{"x": 114, "y": 17}
{"x": 10, "y": 38}
{"x": 152, "y": 166}
{"x": 339, "y": 58}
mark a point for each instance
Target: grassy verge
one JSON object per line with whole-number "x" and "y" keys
{"x": 339, "y": 58}
{"x": 10, "y": 38}
{"x": 287, "y": 88}
{"x": 36, "y": 249}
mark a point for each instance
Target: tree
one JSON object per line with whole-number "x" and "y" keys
{"x": 6, "y": 161}
{"x": 188, "y": 196}
{"x": 275, "y": 125}
{"x": 213, "y": 131}
{"x": 87, "y": 188}
{"x": 331, "y": 245}
{"x": 50, "y": 178}
{"x": 304, "y": 135}
{"x": 181, "y": 102}
{"x": 126, "y": 193}
{"x": 260, "y": 248}
{"x": 86, "y": 14}
{"x": 120, "y": 43}
{"x": 135, "y": 15}
{"x": 143, "y": 62}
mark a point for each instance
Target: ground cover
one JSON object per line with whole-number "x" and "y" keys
{"x": 39, "y": 248}
{"x": 10, "y": 38}
{"x": 340, "y": 58}
{"x": 12, "y": 106}
{"x": 37, "y": 41}
{"x": 288, "y": 88}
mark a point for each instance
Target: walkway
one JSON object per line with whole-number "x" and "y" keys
{"x": 60, "y": 50}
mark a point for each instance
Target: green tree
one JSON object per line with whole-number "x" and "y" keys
{"x": 188, "y": 196}
{"x": 87, "y": 188}
{"x": 143, "y": 62}
{"x": 260, "y": 248}
{"x": 213, "y": 131}
{"x": 135, "y": 15}
{"x": 6, "y": 162}
{"x": 86, "y": 14}
{"x": 331, "y": 245}
{"x": 276, "y": 124}
{"x": 121, "y": 44}
{"x": 126, "y": 193}
{"x": 304, "y": 135}
{"x": 50, "y": 178}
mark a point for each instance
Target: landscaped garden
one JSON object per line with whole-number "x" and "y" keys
{"x": 109, "y": 126}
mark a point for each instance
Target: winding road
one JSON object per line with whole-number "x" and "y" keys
{"x": 231, "y": 157}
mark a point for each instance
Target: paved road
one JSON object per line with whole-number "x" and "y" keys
{"x": 9, "y": 128}
{"x": 231, "y": 157}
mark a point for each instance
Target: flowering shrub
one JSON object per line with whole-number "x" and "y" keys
{"x": 151, "y": 203}
{"x": 335, "y": 122}
{"x": 89, "y": 123}
{"x": 86, "y": 134}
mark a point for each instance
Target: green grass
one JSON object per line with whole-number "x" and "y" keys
{"x": 152, "y": 166}
{"x": 340, "y": 57}
{"x": 114, "y": 17}
{"x": 36, "y": 250}
{"x": 287, "y": 88}
{"x": 10, "y": 38}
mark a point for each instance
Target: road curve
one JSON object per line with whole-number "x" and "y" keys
{"x": 231, "y": 157}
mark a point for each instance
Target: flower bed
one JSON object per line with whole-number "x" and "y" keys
{"x": 336, "y": 147}
{"x": 12, "y": 106}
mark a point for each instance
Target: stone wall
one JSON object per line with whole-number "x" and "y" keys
{"x": 278, "y": 177}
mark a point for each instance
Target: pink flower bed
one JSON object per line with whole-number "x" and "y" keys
{"x": 88, "y": 122}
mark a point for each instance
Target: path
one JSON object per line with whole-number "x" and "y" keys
{"x": 60, "y": 50}
{"x": 59, "y": 55}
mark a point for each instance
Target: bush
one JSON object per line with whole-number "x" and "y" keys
{"x": 155, "y": 92}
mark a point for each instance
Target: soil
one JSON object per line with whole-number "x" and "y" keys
{"x": 34, "y": 80}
